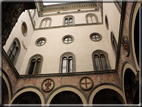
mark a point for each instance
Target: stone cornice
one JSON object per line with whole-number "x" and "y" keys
{"x": 63, "y": 26}
{"x": 66, "y": 7}
{"x": 69, "y": 12}
{"x": 69, "y": 74}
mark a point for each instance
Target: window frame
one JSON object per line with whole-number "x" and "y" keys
{"x": 17, "y": 45}
{"x": 68, "y": 22}
{"x": 25, "y": 27}
{"x": 94, "y": 34}
{"x": 41, "y": 38}
{"x": 34, "y": 57}
{"x": 67, "y": 36}
{"x": 67, "y": 55}
{"x": 99, "y": 53}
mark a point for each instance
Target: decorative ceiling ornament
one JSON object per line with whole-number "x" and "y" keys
{"x": 47, "y": 85}
{"x": 125, "y": 44}
{"x": 86, "y": 83}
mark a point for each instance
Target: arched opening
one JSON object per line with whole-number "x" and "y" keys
{"x": 136, "y": 98}
{"x": 107, "y": 96}
{"x": 130, "y": 87}
{"x": 66, "y": 97}
{"x": 27, "y": 98}
{"x": 5, "y": 95}
{"x": 136, "y": 36}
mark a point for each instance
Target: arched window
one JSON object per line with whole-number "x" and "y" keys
{"x": 67, "y": 62}
{"x": 34, "y": 65}
{"x": 91, "y": 18}
{"x": 113, "y": 42}
{"x": 46, "y": 22}
{"x": 100, "y": 60}
{"x": 68, "y": 20}
{"x": 14, "y": 51}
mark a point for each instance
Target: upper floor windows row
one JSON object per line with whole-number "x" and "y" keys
{"x": 69, "y": 20}
{"x": 67, "y": 62}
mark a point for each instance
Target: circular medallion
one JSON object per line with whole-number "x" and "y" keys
{"x": 86, "y": 83}
{"x": 47, "y": 85}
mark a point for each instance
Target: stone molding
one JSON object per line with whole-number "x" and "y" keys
{"x": 66, "y": 7}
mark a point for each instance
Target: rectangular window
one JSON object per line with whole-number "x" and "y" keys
{"x": 97, "y": 63}
{"x": 104, "y": 66}
{"x": 64, "y": 65}
{"x": 70, "y": 65}
{"x": 32, "y": 67}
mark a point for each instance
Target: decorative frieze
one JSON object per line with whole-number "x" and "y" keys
{"x": 69, "y": 6}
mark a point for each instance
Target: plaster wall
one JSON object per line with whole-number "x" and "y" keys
{"x": 82, "y": 47}
{"x": 17, "y": 33}
{"x": 113, "y": 15}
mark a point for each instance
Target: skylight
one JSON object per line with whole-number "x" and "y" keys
{"x": 51, "y": 3}
{"x": 48, "y": 2}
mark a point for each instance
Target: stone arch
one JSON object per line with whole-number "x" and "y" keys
{"x": 132, "y": 28}
{"x": 31, "y": 89}
{"x": 7, "y": 83}
{"x": 100, "y": 87}
{"x": 67, "y": 88}
{"x": 128, "y": 74}
{"x": 126, "y": 65}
